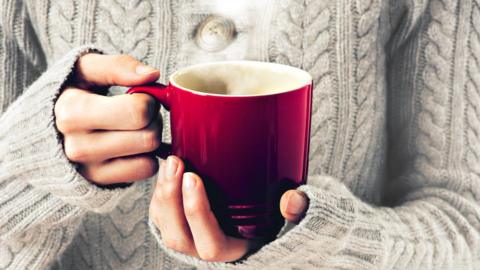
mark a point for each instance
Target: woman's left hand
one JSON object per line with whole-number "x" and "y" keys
{"x": 181, "y": 211}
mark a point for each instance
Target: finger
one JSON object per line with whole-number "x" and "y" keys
{"x": 210, "y": 242}
{"x": 80, "y": 110}
{"x": 106, "y": 70}
{"x": 121, "y": 170}
{"x": 170, "y": 219}
{"x": 98, "y": 146}
{"x": 293, "y": 205}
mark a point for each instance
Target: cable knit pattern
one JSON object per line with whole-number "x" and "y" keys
{"x": 436, "y": 80}
{"x": 364, "y": 96}
{"x": 41, "y": 196}
{"x": 472, "y": 111}
{"x": 61, "y": 29}
{"x": 413, "y": 64}
{"x": 317, "y": 60}
{"x": 124, "y": 27}
{"x": 122, "y": 236}
{"x": 16, "y": 27}
{"x": 304, "y": 40}
{"x": 290, "y": 33}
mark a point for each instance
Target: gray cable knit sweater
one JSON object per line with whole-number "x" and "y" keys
{"x": 394, "y": 179}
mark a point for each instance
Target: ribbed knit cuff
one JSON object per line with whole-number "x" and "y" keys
{"x": 33, "y": 146}
{"x": 328, "y": 223}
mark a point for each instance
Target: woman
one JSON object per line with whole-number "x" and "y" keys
{"x": 394, "y": 161}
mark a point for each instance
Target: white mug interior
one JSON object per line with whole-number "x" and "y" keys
{"x": 240, "y": 78}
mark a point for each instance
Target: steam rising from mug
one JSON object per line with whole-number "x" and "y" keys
{"x": 241, "y": 79}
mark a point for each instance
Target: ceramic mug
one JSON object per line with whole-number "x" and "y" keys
{"x": 244, "y": 128}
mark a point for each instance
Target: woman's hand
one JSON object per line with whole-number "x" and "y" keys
{"x": 181, "y": 211}
{"x": 111, "y": 138}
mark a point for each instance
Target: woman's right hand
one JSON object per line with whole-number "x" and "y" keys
{"x": 111, "y": 138}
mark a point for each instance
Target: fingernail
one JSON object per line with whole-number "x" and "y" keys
{"x": 189, "y": 181}
{"x": 296, "y": 203}
{"x": 172, "y": 165}
{"x": 144, "y": 69}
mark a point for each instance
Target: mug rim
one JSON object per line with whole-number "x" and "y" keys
{"x": 172, "y": 81}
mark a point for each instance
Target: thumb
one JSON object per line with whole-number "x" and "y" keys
{"x": 106, "y": 70}
{"x": 293, "y": 205}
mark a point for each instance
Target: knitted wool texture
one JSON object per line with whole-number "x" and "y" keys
{"x": 394, "y": 180}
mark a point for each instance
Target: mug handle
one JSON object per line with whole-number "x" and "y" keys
{"x": 161, "y": 93}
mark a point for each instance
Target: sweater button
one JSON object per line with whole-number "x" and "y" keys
{"x": 215, "y": 33}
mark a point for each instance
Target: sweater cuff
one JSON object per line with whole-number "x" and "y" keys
{"x": 34, "y": 147}
{"x": 326, "y": 228}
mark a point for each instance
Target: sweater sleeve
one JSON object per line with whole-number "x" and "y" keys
{"x": 42, "y": 196}
{"x": 432, "y": 217}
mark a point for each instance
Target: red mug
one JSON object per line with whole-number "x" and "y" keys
{"x": 244, "y": 128}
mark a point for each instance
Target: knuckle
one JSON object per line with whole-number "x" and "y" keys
{"x": 211, "y": 254}
{"x": 151, "y": 139}
{"x": 69, "y": 106}
{"x": 73, "y": 150}
{"x": 64, "y": 120}
{"x": 168, "y": 192}
{"x": 64, "y": 115}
